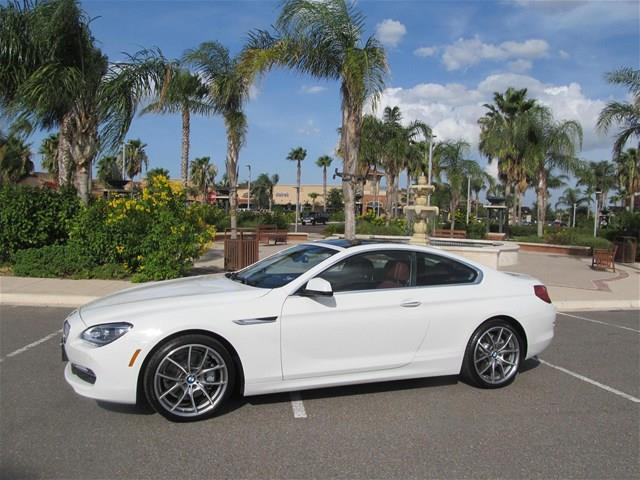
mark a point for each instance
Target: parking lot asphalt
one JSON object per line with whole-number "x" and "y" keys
{"x": 575, "y": 415}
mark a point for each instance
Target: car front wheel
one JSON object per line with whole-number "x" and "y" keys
{"x": 493, "y": 355}
{"x": 189, "y": 378}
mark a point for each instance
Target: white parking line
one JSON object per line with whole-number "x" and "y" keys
{"x": 31, "y": 345}
{"x": 598, "y": 321}
{"x": 592, "y": 382}
{"x": 297, "y": 405}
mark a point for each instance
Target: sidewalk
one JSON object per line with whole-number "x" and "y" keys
{"x": 572, "y": 284}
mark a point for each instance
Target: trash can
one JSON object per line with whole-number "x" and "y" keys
{"x": 241, "y": 251}
{"x": 627, "y": 246}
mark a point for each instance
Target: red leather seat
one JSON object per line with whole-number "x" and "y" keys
{"x": 396, "y": 274}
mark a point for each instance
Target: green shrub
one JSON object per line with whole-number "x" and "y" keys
{"x": 337, "y": 216}
{"x": 522, "y": 230}
{"x": 154, "y": 237}
{"x": 476, "y": 229}
{"x": 624, "y": 224}
{"x": 51, "y": 261}
{"x": 33, "y": 217}
{"x": 55, "y": 261}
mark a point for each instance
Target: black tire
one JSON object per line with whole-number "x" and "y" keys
{"x": 200, "y": 391}
{"x": 493, "y": 365}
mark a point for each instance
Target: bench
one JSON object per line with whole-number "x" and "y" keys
{"x": 267, "y": 233}
{"x": 604, "y": 258}
{"x": 446, "y": 232}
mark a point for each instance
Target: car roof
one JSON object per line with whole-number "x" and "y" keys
{"x": 366, "y": 245}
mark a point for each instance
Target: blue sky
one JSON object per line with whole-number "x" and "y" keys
{"x": 446, "y": 58}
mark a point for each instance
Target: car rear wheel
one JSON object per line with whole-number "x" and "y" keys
{"x": 493, "y": 355}
{"x": 189, "y": 378}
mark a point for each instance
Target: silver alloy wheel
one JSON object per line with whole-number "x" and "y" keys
{"x": 496, "y": 355}
{"x": 190, "y": 380}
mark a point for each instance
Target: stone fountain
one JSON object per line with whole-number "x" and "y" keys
{"x": 423, "y": 212}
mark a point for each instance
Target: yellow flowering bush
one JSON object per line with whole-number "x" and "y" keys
{"x": 154, "y": 236}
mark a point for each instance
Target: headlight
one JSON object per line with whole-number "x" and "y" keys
{"x": 106, "y": 333}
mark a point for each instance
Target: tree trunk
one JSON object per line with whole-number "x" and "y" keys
{"x": 508, "y": 201}
{"x": 542, "y": 207}
{"x": 63, "y": 153}
{"x": 324, "y": 188}
{"x": 391, "y": 181}
{"x": 453, "y": 206}
{"x": 83, "y": 147}
{"x": 631, "y": 199}
{"x": 408, "y": 187}
{"x": 82, "y": 183}
{"x": 350, "y": 141}
{"x": 519, "y": 219}
{"x": 184, "y": 161}
{"x": 232, "y": 162}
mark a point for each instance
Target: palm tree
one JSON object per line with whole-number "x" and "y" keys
{"x": 505, "y": 137}
{"x": 324, "y": 39}
{"x": 261, "y": 191}
{"x": 324, "y": 162}
{"x": 553, "y": 146}
{"x": 203, "y": 175}
{"x": 109, "y": 169}
{"x": 297, "y": 155}
{"x": 456, "y": 169}
{"x": 628, "y": 173}
{"x": 597, "y": 177}
{"x": 228, "y": 90}
{"x": 15, "y": 159}
{"x": 184, "y": 94}
{"x": 572, "y": 198}
{"x": 275, "y": 178}
{"x": 135, "y": 158}
{"x": 62, "y": 79}
{"x": 49, "y": 152}
{"x": 626, "y": 114}
{"x": 313, "y": 196}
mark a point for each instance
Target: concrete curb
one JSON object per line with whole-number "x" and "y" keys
{"x": 45, "y": 300}
{"x": 74, "y": 301}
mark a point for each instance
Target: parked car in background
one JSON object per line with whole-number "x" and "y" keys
{"x": 313, "y": 218}
{"x": 320, "y": 314}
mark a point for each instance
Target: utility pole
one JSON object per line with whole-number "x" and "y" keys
{"x": 249, "y": 193}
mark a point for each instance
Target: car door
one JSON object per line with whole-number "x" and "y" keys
{"x": 371, "y": 322}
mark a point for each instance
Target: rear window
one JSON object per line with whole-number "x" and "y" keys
{"x": 437, "y": 270}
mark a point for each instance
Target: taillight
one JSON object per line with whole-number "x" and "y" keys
{"x": 542, "y": 293}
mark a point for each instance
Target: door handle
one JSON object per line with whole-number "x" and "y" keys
{"x": 410, "y": 304}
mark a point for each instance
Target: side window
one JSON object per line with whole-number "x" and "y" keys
{"x": 437, "y": 270}
{"x": 370, "y": 271}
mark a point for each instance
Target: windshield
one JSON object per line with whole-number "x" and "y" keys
{"x": 282, "y": 268}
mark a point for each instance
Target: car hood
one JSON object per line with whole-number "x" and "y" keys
{"x": 216, "y": 288}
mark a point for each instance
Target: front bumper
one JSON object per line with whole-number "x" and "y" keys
{"x": 107, "y": 366}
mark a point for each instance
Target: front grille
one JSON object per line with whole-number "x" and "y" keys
{"x": 83, "y": 373}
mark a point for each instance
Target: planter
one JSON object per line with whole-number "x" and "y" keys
{"x": 555, "y": 249}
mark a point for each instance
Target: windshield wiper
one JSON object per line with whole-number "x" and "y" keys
{"x": 234, "y": 276}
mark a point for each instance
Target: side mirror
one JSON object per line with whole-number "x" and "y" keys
{"x": 318, "y": 287}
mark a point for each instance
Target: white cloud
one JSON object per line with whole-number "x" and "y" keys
{"x": 452, "y": 110}
{"x": 254, "y": 92}
{"x": 390, "y": 32}
{"x": 520, "y": 66}
{"x": 425, "y": 51}
{"x": 309, "y": 128}
{"x": 492, "y": 169}
{"x": 312, "y": 89}
{"x": 563, "y": 54}
{"x": 466, "y": 52}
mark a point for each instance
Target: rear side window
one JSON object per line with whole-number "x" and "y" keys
{"x": 437, "y": 270}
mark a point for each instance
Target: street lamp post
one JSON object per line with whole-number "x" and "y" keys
{"x": 124, "y": 150}
{"x": 573, "y": 223}
{"x": 249, "y": 193}
{"x": 468, "y": 198}
{"x": 596, "y": 215}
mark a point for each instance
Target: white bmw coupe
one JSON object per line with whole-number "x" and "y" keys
{"x": 319, "y": 314}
